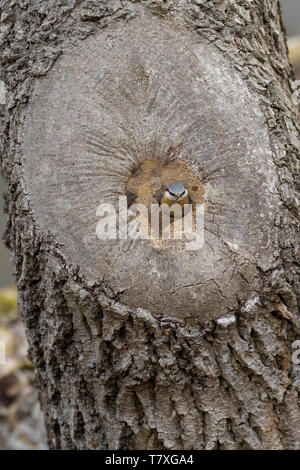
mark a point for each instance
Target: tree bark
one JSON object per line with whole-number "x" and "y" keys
{"x": 135, "y": 345}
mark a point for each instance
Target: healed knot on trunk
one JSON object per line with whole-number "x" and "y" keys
{"x": 135, "y": 117}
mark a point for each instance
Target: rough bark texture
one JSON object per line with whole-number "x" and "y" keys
{"x": 114, "y": 375}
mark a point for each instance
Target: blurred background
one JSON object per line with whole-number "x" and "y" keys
{"x": 21, "y": 425}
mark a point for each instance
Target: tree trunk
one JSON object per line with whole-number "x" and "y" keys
{"x": 143, "y": 344}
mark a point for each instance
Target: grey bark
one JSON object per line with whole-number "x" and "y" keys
{"x": 137, "y": 346}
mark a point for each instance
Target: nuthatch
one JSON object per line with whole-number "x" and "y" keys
{"x": 176, "y": 193}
